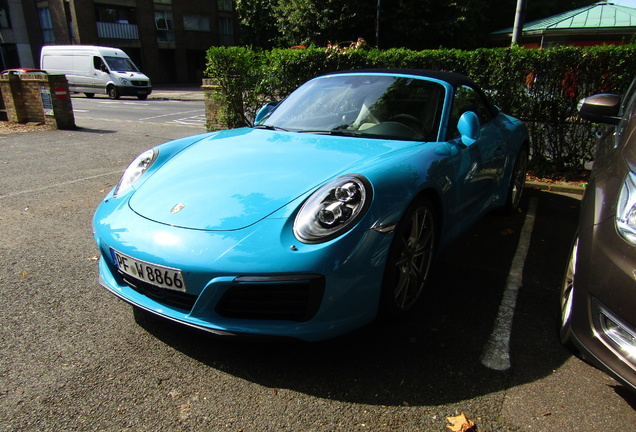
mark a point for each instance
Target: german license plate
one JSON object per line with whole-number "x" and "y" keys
{"x": 160, "y": 276}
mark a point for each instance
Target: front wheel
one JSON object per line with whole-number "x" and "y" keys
{"x": 142, "y": 97}
{"x": 567, "y": 297}
{"x": 112, "y": 92}
{"x": 410, "y": 257}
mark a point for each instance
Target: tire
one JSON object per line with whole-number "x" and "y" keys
{"x": 567, "y": 297}
{"x": 112, "y": 92}
{"x": 517, "y": 181}
{"x": 142, "y": 97}
{"x": 410, "y": 259}
{"x": 89, "y": 95}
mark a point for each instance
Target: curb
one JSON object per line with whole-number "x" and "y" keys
{"x": 556, "y": 187}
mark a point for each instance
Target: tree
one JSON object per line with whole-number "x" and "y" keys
{"x": 259, "y": 24}
{"x": 413, "y": 24}
{"x": 307, "y": 22}
{"x": 430, "y": 24}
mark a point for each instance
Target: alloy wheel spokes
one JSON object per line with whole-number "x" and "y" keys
{"x": 568, "y": 287}
{"x": 518, "y": 181}
{"x": 416, "y": 254}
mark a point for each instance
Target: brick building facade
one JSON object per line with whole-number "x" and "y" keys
{"x": 167, "y": 39}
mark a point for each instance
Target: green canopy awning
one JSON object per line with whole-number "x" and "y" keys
{"x": 601, "y": 17}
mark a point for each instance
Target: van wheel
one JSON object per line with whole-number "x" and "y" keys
{"x": 142, "y": 97}
{"x": 112, "y": 92}
{"x": 90, "y": 95}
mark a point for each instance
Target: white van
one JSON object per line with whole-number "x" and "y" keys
{"x": 93, "y": 69}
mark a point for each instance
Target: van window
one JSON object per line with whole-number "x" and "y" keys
{"x": 97, "y": 62}
{"x": 121, "y": 64}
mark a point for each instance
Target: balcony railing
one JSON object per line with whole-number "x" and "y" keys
{"x": 117, "y": 30}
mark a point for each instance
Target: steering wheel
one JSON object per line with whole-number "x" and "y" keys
{"x": 409, "y": 121}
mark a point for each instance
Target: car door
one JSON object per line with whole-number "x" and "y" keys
{"x": 480, "y": 165}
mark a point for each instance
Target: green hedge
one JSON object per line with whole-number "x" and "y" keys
{"x": 539, "y": 86}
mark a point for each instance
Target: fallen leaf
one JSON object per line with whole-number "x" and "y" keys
{"x": 460, "y": 423}
{"x": 507, "y": 231}
{"x": 24, "y": 273}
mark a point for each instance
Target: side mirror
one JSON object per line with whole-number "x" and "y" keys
{"x": 468, "y": 127}
{"x": 601, "y": 108}
{"x": 264, "y": 111}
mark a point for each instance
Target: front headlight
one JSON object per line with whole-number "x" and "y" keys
{"x": 124, "y": 81}
{"x": 333, "y": 209}
{"x": 626, "y": 209}
{"x": 136, "y": 169}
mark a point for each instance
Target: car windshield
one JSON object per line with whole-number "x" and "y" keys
{"x": 376, "y": 106}
{"x": 121, "y": 64}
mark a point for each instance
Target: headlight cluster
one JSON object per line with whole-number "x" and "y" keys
{"x": 332, "y": 209}
{"x": 136, "y": 169}
{"x": 626, "y": 209}
{"x": 125, "y": 81}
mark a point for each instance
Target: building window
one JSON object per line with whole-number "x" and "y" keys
{"x": 226, "y": 31}
{"x": 5, "y": 23}
{"x": 113, "y": 14}
{"x": 46, "y": 25}
{"x": 225, "y": 5}
{"x": 163, "y": 23}
{"x": 196, "y": 22}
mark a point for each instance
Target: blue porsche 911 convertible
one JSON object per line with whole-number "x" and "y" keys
{"x": 324, "y": 215}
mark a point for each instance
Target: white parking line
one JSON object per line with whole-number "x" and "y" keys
{"x": 193, "y": 121}
{"x": 496, "y": 353}
{"x": 169, "y": 114}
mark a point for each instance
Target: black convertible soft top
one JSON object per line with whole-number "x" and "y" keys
{"x": 453, "y": 78}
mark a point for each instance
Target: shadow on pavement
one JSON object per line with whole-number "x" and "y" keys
{"x": 433, "y": 357}
{"x": 97, "y": 131}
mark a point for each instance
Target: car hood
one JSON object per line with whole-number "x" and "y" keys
{"x": 236, "y": 178}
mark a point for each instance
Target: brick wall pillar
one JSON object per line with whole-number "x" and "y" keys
{"x": 62, "y": 116}
{"x": 38, "y": 98}
{"x": 13, "y": 98}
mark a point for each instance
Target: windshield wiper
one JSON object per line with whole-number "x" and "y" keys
{"x": 270, "y": 127}
{"x": 339, "y": 132}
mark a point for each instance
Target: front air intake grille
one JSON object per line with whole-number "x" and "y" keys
{"x": 139, "y": 83}
{"x": 287, "y": 298}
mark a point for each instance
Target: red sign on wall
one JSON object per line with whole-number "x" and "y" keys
{"x": 60, "y": 93}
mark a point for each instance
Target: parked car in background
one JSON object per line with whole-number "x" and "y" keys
{"x": 23, "y": 71}
{"x": 326, "y": 213}
{"x": 598, "y": 297}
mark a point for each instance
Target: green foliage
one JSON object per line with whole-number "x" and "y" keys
{"x": 258, "y": 23}
{"x": 413, "y": 24}
{"x": 238, "y": 72}
{"x": 541, "y": 87}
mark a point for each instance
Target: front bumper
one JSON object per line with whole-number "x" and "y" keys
{"x": 258, "y": 280}
{"x": 134, "y": 90}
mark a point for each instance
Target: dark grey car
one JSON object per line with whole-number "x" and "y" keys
{"x": 598, "y": 298}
